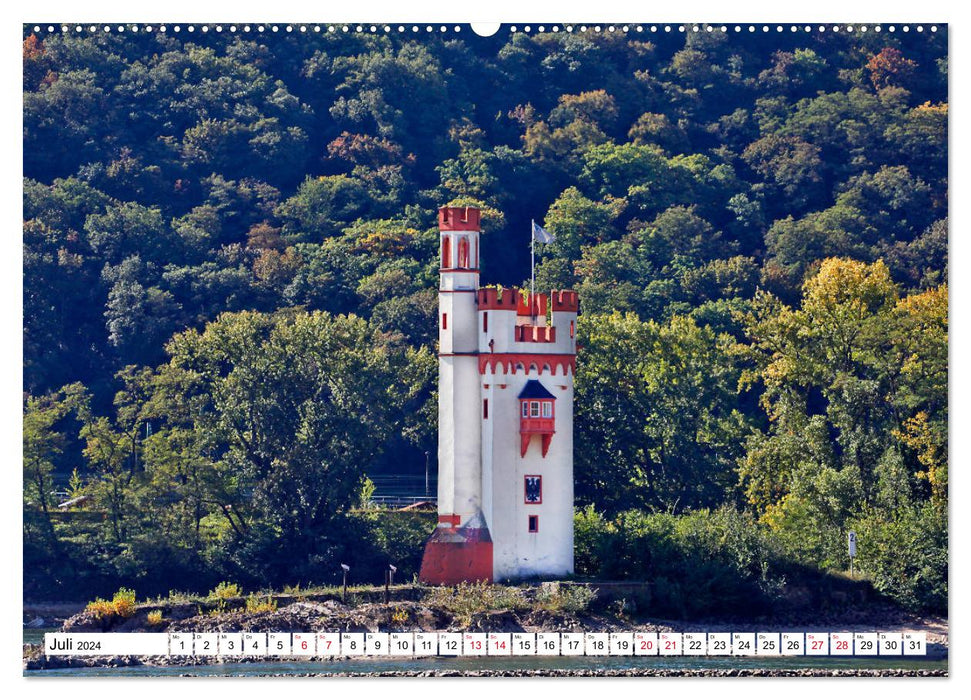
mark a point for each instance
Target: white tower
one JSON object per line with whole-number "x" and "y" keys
{"x": 527, "y": 367}
{"x": 505, "y": 421}
{"x": 460, "y": 549}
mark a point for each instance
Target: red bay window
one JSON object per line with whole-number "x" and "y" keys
{"x": 537, "y": 415}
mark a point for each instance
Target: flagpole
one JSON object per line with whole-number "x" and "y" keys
{"x": 532, "y": 267}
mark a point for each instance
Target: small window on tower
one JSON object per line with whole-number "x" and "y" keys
{"x": 572, "y": 328}
{"x": 525, "y": 409}
{"x": 485, "y": 408}
{"x": 485, "y": 322}
{"x": 533, "y": 489}
{"x": 547, "y": 409}
{"x": 444, "y": 322}
{"x": 534, "y": 523}
{"x": 534, "y": 409}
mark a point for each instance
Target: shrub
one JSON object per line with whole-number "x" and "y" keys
{"x": 905, "y": 556}
{"x": 100, "y": 608}
{"x": 175, "y": 597}
{"x": 564, "y": 598}
{"x": 225, "y": 590}
{"x": 699, "y": 563}
{"x": 591, "y": 541}
{"x": 254, "y": 604}
{"x": 154, "y": 618}
{"x": 122, "y": 604}
{"x": 467, "y": 599}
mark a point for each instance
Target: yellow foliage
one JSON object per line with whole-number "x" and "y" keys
{"x": 255, "y": 605}
{"x": 918, "y": 435}
{"x": 848, "y": 286}
{"x": 122, "y": 604}
{"x": 225, "y": 590}
{"x": 100, "y": 608}
{"x": 155, "y": 618}
{"x": 930, "y": 108}
{"x": 385, "y": 241}
{"x": 774, "y": 513}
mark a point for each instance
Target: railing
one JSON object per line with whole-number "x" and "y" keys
{"x": 401, "y": 501}
{"x": 536, "y": 425}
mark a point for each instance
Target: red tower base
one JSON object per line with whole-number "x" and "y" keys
{"x": 456, "y": 554}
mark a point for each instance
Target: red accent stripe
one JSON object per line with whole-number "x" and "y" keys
{"x": 509, "y": 360}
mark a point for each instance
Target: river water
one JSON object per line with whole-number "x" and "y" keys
{"x": 371, "y": 665}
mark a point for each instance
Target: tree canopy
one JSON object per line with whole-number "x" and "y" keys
{"x": 230, "y": 279}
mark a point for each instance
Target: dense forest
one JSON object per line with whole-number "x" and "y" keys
{"x": 230, "y": 280}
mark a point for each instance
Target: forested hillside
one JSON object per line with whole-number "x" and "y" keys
{"x": 230, "y": 280}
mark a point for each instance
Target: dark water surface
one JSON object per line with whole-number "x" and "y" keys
{"x": 237, "y": 669}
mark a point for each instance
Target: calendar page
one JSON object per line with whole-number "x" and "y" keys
{"x": 525, "y": 349}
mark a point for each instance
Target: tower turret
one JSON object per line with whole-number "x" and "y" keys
{"x": 460, "y": 549}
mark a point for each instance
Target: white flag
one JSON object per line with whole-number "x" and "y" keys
{"x": 542, "y": 235}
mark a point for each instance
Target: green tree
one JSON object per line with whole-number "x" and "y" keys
{"x": 321, "y": 207}
{"x": 43, "y": 444}
{"x": 847, "y": 384}
{"x": 657, "y": 419}
{"x": 300, "y": 406}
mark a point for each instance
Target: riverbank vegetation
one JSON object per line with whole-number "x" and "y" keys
{"x": 230, "y": 272}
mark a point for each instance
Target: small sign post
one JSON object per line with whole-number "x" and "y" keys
{"x": 851, "y": 541}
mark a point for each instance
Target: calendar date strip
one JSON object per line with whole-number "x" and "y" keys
{"x": 467, "y": 644}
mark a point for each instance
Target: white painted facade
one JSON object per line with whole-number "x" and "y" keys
{"x": 484, "y": 365}
{"x": 517, "y": 552}
{"x": 459, "y": 445}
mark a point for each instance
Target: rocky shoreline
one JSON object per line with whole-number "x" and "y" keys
{"x": 415, "y": 616}
{"x": 641, "y": 673}
{"x": 646, "y": 672}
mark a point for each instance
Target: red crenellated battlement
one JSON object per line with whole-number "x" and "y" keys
{"x": 534, "y": 334}
{"x": 458, "y": 219}
{"x": 565, "y": 300}
{"x": 507, "y": 300}
{"x": 532, "y": 305}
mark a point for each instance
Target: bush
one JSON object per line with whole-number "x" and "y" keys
{"x": 467, "y": 599}
{"x": 154, "y": 618}
{"x": 254, "y": 604}
{"x": 122, "y": 604}
{"x": 225, "y": 590}
{"x": 699, "y": 563}
{"x": 565, "y": 598}
{"x": 100, "y": 608}
{"x": 905, "y": 556}
{"x": 382, "y": 537}
{"x": 591, "y": 541}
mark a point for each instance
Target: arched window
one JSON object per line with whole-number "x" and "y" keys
{"x": 446, "y": 252}
{"x": 463, "y": 252}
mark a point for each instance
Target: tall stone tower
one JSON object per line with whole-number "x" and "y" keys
{"x": 505, "y": 422}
